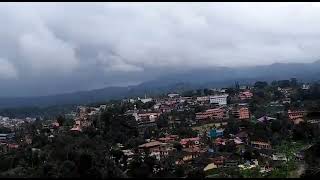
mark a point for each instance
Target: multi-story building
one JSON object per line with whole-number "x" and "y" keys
{"x": 145, "y": 99}
{"x": 260, "y": 145}
{"x": 6, "y": 137}
{"x": 245, "y": 95}
{"x": 219, "y": 99}
{"x": 241, "y": 113}
{"x": 203, "y": 98}
{"x": 305, "y": 86}
{"x": 203, "y": 115}
{"x": 295, "y": 114}
{"x": 157, "y": 149}
{"x": 216, "y": 113}
{"x": 149, "y": 116}
{"x": 172, "y": 95}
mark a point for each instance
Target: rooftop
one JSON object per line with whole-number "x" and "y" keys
{"x": 151, "y": 144}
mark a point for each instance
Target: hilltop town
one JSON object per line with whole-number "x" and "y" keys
{"x": 259, "y": 130}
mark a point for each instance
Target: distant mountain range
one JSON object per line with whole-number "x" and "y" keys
{"x": 201, "y": 78}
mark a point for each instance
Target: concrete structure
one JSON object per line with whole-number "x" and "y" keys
{"x": 203, "y": 98}
{"x": 260, "y": 145}
{"x": 241, "y": 113}
{"x": 279, "y": 157}
{"x": 190, "y": 142}
{"x": 245, "y": 95}
{"x": 6, "y": 137}
{"x": 215, "y": 133}
{"x": 145, "y": 100}
{"x": 152, "y": 116}
{"x": 295, "y": 114}
{"x": 157, "y": 149}
{"x": 172, "y": 95}
{"x": 305, "y": 86}
{"x": 216, "y": 113}
{"x": 219, "y": 99}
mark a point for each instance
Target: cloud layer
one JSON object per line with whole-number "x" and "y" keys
{"x": 49, "y": 48}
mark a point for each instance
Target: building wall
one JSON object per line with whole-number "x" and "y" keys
{"x": 260, "y": 145}
{"x": 241, "y": 113}
{"x": 244, "y": 113}
{"x": 295, "y": 114}
{"x": 221, "y": 100}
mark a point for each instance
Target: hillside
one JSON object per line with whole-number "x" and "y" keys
{"x": 201, "y": 78}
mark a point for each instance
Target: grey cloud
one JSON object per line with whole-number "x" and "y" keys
{"x": 45, "y": 52}
{"x": 49, "y": 48}
{"x": 7, "y": 70}
{"x": 114, "y": 62}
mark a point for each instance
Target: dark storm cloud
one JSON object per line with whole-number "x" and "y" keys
{"x": 48, "y": 48}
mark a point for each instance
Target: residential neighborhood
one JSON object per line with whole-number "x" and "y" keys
{"x": 233, "y": 133}
{"x": 108, "y": 90}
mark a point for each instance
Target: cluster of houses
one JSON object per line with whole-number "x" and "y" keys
{"x": 7, "y": 142}
{"x": 84, "y": 115}
{"x": 216, "y": 108}
{"x": 14, "y": 123}
{"x": 210, "y": 123}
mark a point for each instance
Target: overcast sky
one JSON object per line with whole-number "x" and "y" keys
{"x": 50, "y": 48}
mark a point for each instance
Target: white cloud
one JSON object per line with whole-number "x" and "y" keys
{"x": 169, "y": 34}
{"x": 46, "y": 53}
{"x": 116, "y": 64}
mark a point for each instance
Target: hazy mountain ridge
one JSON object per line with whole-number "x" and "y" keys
{"x": 201, "y": 78}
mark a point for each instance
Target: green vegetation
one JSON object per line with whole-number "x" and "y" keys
{"x": 95, "y": 151}
{"x": 251, "y": 173}
{"x": 44, "y": 112}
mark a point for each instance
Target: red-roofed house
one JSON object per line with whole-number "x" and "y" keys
{"x": 216, "y": 113}
{"x": 245, "y": 95}
{"x": 157, "y": 148}
{"x": 190, "y": 142}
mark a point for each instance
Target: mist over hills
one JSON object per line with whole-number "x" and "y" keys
{"x": 200, "y": 78}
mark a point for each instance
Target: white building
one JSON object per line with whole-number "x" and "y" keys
{"x": 145, "y": 100}
{"x": 135, "y": 113}
{"x": 103, "y": 107}
{"x": 220, "y": 99}
{"x": 173, "y": 95}
{"x": 305, "y": 86}
{"x": 223, "y": 90}
{"x": 203, "y": 98}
